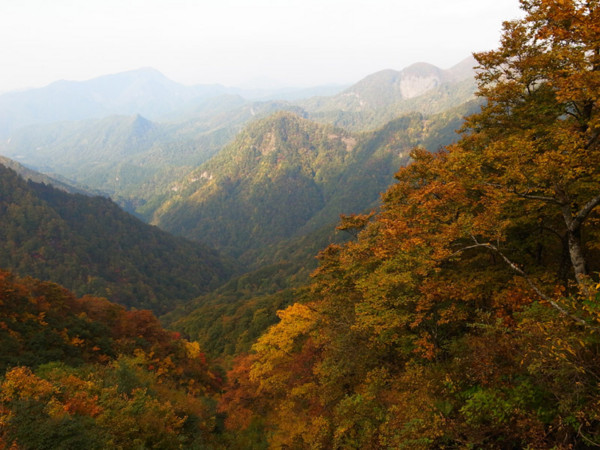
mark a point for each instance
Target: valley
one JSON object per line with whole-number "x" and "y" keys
{"x": 407, "y": 261}
{"x": 262, "y": 182}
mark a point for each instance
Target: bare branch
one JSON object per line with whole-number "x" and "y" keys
{"x": 531, "y": 284}
{"x": 585, "y": 211}
{"x": 553, "y": 231}
{"x": 592, "y": 140}
{"x": 535, "y": 197}
{"x": 588, "y": 440}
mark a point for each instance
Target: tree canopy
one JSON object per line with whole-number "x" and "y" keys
{"x": 466, "y": 312}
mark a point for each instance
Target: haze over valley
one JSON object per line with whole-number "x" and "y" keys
{"x": 262, "y": 181}
{"x": 299, "y": 225}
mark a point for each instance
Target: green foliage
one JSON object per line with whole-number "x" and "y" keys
{"x": 32, "y": 428}
{"x": 229, "y": 319}
{"x": 91, "y": 246}
{"x": 285, "y": 176}
{"x": 272, "y": 173}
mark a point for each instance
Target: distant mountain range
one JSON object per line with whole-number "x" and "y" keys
{"x": 150, "y": 94}
{"x": 146, "y": 92}
{"x": 130, "y": 155}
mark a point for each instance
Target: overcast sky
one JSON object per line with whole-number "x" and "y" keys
{"x": 236, "y": 42}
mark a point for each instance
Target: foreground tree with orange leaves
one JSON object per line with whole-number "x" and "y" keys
{"x": 467, "y": 311}
{"x": 538, "y": 136}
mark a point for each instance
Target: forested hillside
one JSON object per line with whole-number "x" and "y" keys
{"x": 229, "y": 319}
{"x": 285, "y": 176}
{"x": 261, "y": 188}
{"x": 86, "y": 373}
{"x": 461, "y": 309}
{"x": 130, "y": 158}
{"x": 465, "y": 314}
{"x": 93, "y": 247}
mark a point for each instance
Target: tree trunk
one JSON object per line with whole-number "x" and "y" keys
{"x": 576, "y": 253}
{"x": 574, "y": 242}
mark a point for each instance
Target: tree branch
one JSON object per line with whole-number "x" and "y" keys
{"x": 592, "y": 140}
{"x": 531, "y": 284}
{"x": 526, "y": 194}
{"x": 585, "y": 211}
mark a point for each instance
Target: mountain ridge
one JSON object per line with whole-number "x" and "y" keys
{"x": 285, "y": 176}
{"x": 148, "y": 92}
{"x": 143, "y": 91}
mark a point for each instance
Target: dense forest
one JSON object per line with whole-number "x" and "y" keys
{"x": 463, "y": 312}
{"x": 87, "y": 373}
{"x": 90, "y": 245}
{"x": 285, "y": 176}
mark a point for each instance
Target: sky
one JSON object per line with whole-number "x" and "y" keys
{"x": 240, "y": 42}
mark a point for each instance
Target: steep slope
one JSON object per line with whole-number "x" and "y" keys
{"x": 90, "y": 245}
{"x": 286, "y": 176}
{"x": 32, "y": 175}
{"x": 229, "y": 319}
{"x": 269, "y": 182}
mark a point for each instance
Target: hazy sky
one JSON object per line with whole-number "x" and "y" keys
{"x": 234, "y": 42}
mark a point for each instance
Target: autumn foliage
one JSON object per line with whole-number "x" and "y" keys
{"x": 466, "y": 312}
{"x": 87, "y": 373}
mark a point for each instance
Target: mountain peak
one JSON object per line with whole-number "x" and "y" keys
{"x": 281, "y": 118}
{"x": 140, "y": 125}
{"x": 383, "y": 95}
{"x": 378, "y": 89}
{"x": 422, "y": 69}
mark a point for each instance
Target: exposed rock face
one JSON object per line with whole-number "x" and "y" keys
{"x": 388, "y": 92}
{"x": 412, "y": 86}
{"x": 415, "y": 80}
